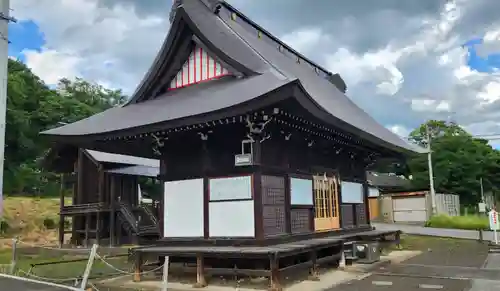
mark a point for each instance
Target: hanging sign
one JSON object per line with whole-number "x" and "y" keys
{"x": 494, "y": 225}
{"x": 482, "y": 207}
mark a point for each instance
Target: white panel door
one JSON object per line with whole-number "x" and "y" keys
{"x": 231, "y": 219}
{"x": 183, "y": 216}
{"x": 411, "y": 209}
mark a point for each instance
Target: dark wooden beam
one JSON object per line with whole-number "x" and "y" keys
{"x": 112, "y": 213}
{"x": 61, "y": 216}
{"x": 257, "y": 190}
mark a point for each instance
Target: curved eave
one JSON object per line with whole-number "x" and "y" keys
{"x": 309, "y": 103}
{"x": 218, "y": 104}
{"x": 210, "y": 31}
{"x": 287, "y": 89}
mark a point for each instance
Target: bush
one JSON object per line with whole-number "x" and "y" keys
{"x": 469, "y": 222}
{"x": 4, "y": 227}
{"x": 49, "y": 223}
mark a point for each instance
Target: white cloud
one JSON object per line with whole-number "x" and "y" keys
{"x": 302, "y": 39}
{"x": 379, "y": 66}
{"x": 107, "y": 45}
{"x": 115, "y": 46}
{"x": 430, "y": 105}
{"x": 51, "y": 65}
{"x": 400, "y": 130}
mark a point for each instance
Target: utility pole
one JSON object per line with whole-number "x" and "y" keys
{"x": 482, "y": 190}
{"x": 4, "y": 61}
{"x": 431, "y": 174}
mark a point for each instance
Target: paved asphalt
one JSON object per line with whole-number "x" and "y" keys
{"x": 393, "y": 283}
{"x": 447, "y": 265}
{"x": 17, "y": 285}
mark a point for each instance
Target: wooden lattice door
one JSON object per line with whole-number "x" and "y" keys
{"x": 326, "y": 214}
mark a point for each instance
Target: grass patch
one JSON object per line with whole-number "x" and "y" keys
{"x": 33, "y": 219}
{"x": 64, "y": 266}
{"x": 469, "y": 222}
{"x": 428, "y": 243}
{"x": 420, "y": 242}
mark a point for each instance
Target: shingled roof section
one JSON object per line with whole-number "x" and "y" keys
{"x": 266, "y": 64}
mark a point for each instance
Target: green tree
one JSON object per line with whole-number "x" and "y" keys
{"x": 459, "y": 161}
{"x": 33, "y": 107}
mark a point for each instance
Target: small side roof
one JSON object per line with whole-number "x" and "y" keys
{"x": 387, "y": 180}
{"x": 137, "y": 171}
{"x": 62, "y": 159}
{"x": 123, "y": 159}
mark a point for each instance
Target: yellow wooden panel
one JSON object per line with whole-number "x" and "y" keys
{"x": 326, "y": 203}
{"x": 374, "y": 208}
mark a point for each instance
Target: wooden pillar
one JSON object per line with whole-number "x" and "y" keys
{"x": 275, "y": 273}
{"x": 78, "y": 222}
{"x": 87, "y": 228}
{"x": 163, "y": 179}
{"x": 200, "y": 272}
{"x": 205, "y": 160}
{"x": 257, "y": 189}
{"x": 112, "y": 212}
{"x": 313, "y": 271}
{"x": 98, "y": 228}
{"x": 138, "y": 267}
{"x": 100, "y": 184}
{"x": 288, "y": 205}
{"x": 366, "y": 191}
{"x": 61, "y": 216}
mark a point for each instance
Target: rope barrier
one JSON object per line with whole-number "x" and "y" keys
{"x": 93, "y": 286}
{"x": 126, "y": 272}
{"x": 50, "y": 247}
{"x": 54, "y": 280}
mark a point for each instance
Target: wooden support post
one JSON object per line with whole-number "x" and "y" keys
{"x": 138, "y": 267}
{"x": 87, "y": 229}
{"x": 112, "y": 213}
{"x": 398, "y": 240}
{"x": 98, "y": 228}
{"x": 314, "y": 272}
{"x": 200, "y": 272}
{"x": 61, "y": 216}
{"x": 275, "y": 273}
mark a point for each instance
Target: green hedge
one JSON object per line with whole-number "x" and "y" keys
{"x": 470, "y": 222}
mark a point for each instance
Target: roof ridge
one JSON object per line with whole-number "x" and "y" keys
{"x": 274, "y": 38}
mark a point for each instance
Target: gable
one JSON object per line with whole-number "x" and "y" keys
{"x": 199, "y": 67}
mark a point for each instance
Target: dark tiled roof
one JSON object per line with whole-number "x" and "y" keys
{"x": 385, "y": 180}
{"x": 236, "y": 42}
{"x": 176, "y": 104}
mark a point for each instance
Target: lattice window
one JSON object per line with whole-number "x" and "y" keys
{"x": 325, "y": 196}
{"x": 300, "y": 220}
{"x": 360, "y": 214}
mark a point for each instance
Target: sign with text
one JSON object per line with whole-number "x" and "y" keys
{"x": 494, "y": 225}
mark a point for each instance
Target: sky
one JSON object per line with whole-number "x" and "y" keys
{"x": 404, "y": 61}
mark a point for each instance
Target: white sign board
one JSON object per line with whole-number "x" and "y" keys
{"x": 482, "y": 207}
{"x": 494, "y": 225}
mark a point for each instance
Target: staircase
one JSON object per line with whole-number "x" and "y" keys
{"x": 82, "y": 208}
{"x": 139, "y": 221}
